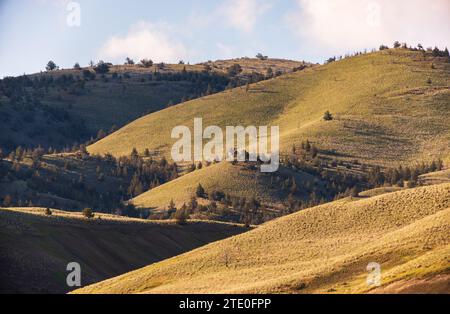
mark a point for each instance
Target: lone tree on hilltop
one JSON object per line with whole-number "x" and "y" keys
{"x": 51, "y": 66}
{"x": 129, "y": 61}
{"x": 260, "y": 56}
{"x": 327, "y": 116}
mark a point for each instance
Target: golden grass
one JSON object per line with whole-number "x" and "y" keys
{"x": 385, "y": 111}
{"x": 437, "y": 177}
{"x": 113, "y": 102}
{"x": 318, "y": 250}
{"x": 234, "y": 180}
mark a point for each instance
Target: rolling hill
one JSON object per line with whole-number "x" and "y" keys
{"x": 324, "y": 249}
{"x": 35, "y": 249}
{"x": 389, "y": 107}
{"x": 235, "y": 180}
{"x": 62, "y": 107}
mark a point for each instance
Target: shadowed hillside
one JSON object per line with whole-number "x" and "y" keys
{"x": 35, "y": 248}
{"x": 389, "y": 106}
{"x": 320, "y": 249}
{"x": 62, "y": 107}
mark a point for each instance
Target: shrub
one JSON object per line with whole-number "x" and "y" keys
{"x": 327, "y": 116}
{"x": 48, "y": 212}
{"x": 146, "y": 63}
{"x": 260, "y": 56}
{"x": 76, "y": 66}
{"x": 88, "y": 213}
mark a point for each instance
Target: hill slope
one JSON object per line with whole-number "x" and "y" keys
{"x": 389, "y": 106}
{"x": 235, "y": 180}
{"x": 35, "y": 249}
{"x": 59, "y": 108}
{"x": 320, "y": 249}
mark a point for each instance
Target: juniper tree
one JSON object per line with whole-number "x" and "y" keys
{"x": 327, "y": 116}
{"x": 51, "y": 66}
{"x": 200, "y": 192}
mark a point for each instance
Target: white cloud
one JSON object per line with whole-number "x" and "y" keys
{"x": 243, "y": 14}
{"x": 144, "y": 40}
{"x": 340, "y": 26}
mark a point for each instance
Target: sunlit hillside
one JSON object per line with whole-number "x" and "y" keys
{"x": 62, "y": 107}
{"x": 235, "y": 180}
{"x": 321, "y": 249}
{"x": 389, "y": 106}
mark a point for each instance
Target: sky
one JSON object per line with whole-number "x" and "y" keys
{"x": 32, "y": 32}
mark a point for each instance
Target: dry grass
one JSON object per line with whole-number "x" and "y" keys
{"x": 35, "y": 249}
{"x": 235, "y": 180}
{"x": 318, "y": 250}
{"x": 385, "y": 111}
{"x": 437, "y": 177}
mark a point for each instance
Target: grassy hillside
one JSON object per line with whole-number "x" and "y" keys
{"x": 236, "y": 180}
{"x": 320, "y": 249}
{"x": 37, "y": 248}
{"x": 388, "y": 107}
{"x": 436, "y": 177}
{"x": 59, "y": 108}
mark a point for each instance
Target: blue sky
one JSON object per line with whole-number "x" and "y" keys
{"x": 35, "y": 31}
